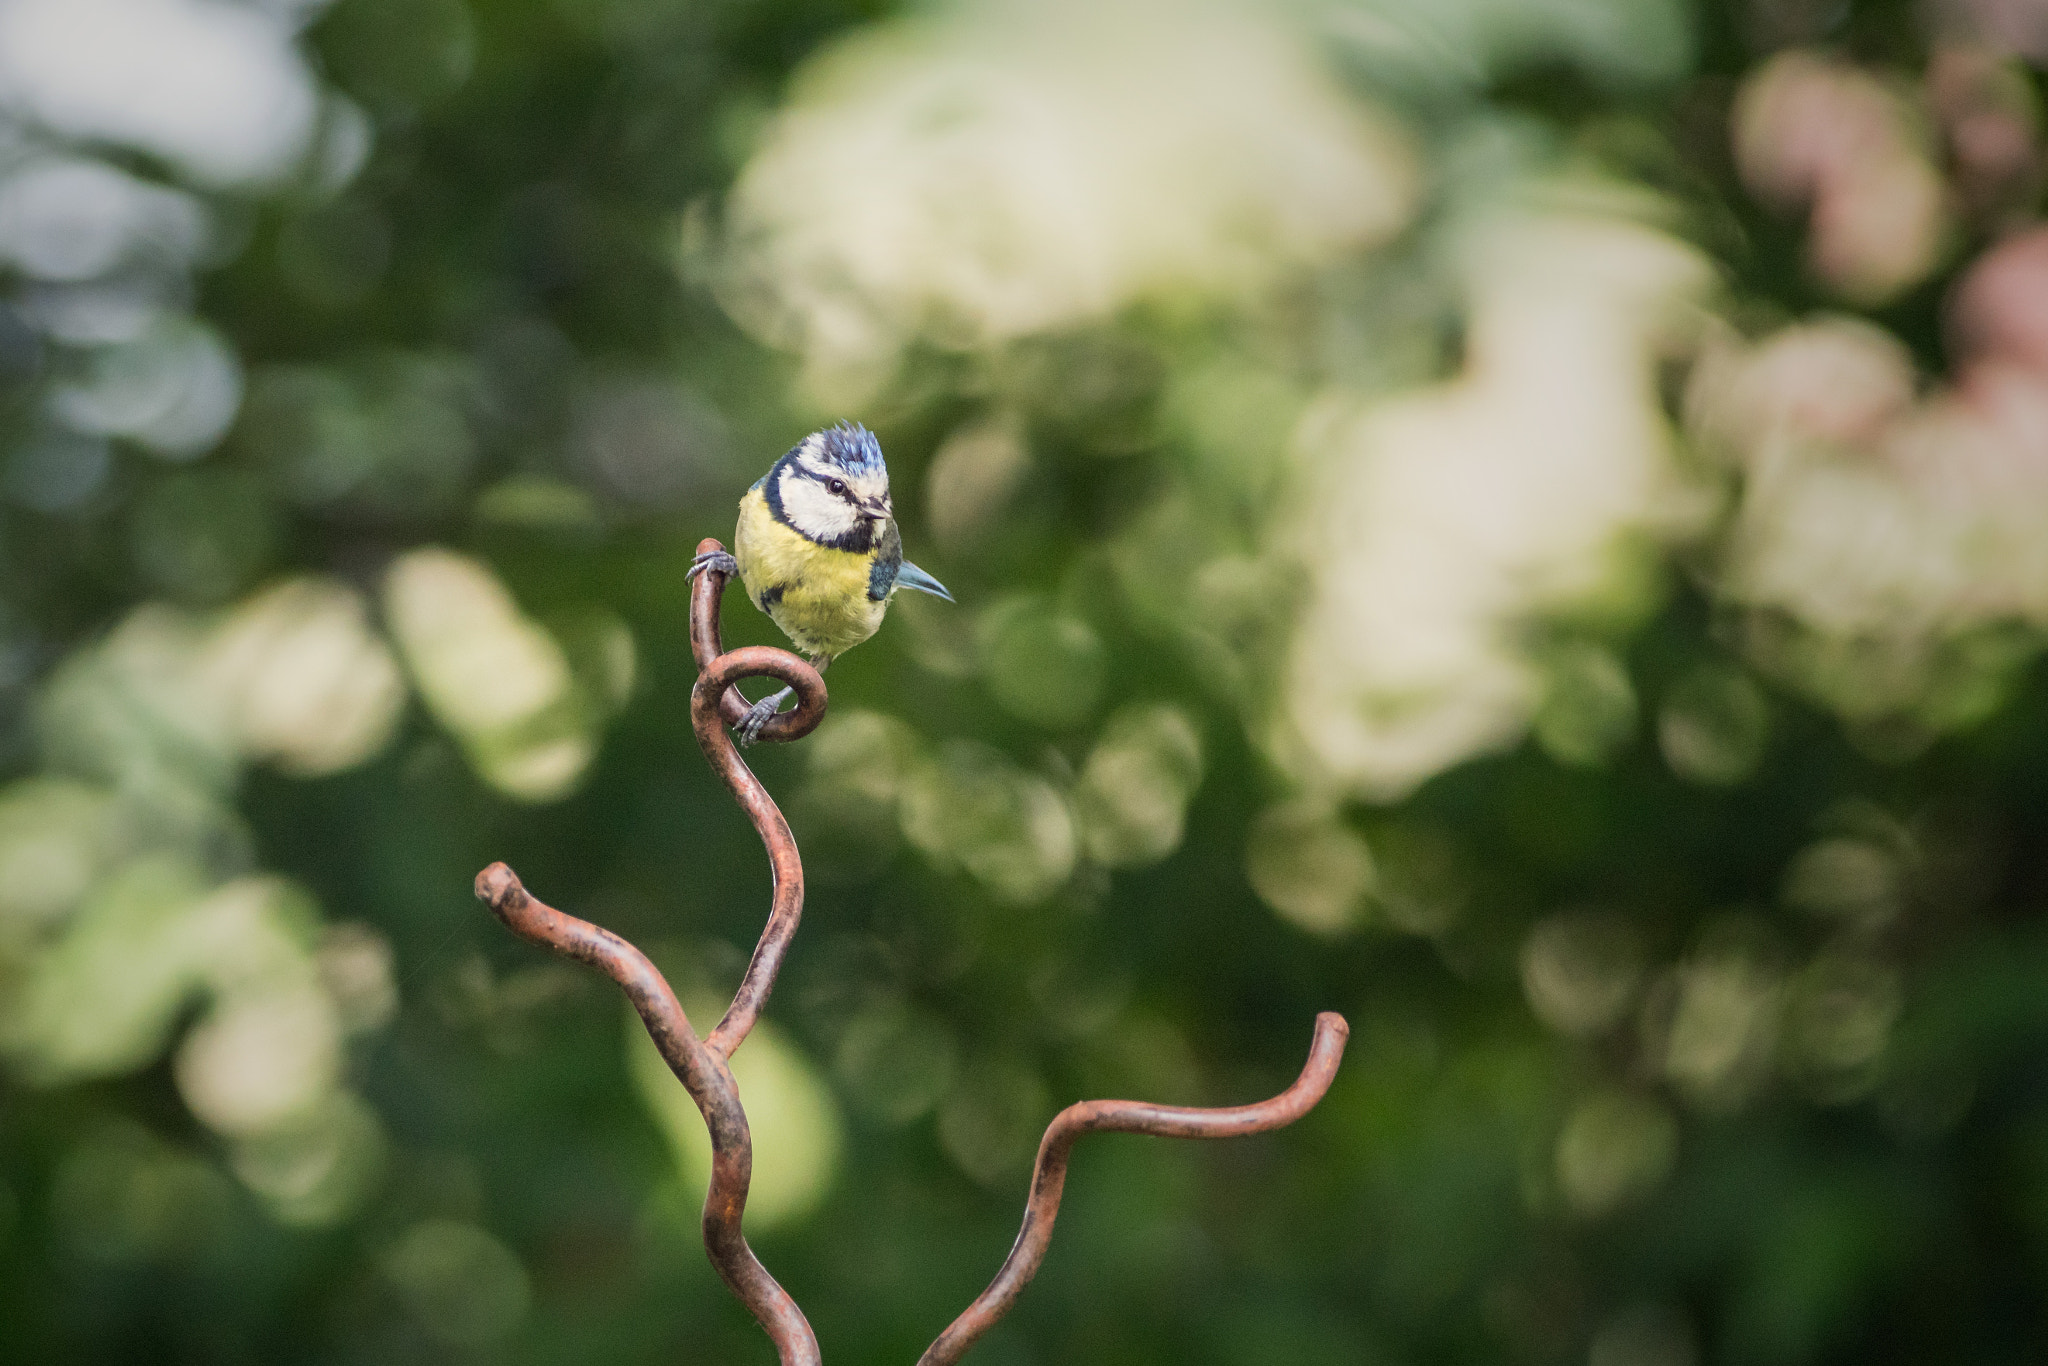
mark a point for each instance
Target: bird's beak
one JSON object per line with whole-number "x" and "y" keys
{"x": 880, "y": 507}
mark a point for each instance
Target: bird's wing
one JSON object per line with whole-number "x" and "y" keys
{"x": 910, "y": 576}
{"x": 887, "y": 561}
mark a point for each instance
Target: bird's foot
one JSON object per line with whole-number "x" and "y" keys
{"x": 758, "y": 716}
{"x": 720, "y": 560}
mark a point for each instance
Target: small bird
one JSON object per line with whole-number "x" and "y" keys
{"x": 818, "y": 550}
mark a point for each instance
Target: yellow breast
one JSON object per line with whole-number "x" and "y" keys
{"x": 817, "y": 595}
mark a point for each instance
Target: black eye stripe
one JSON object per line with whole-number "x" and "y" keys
{"x": 827, "y": 476}
{"x": 814, "y": 474}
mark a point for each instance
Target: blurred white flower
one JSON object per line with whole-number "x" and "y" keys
{"x": 356, "y": 965}
{"x": 133, "y": 710}
{"x": 174, "y": 389}
{"x": 1589, "y": 705}
{"x": 1133, "y": 796}
{"x": 103, "y": 998}
{"x": 115, "y": 912}
{"x": 1713, "y": 1025}
{"x": 261, "y": 1059}
{"x": 217, "y": 88}
{"x": 1999, "y": 310}
{"x": 293, "y": 674}
{"x": 971, "y": 478}
{"x": 493, "y": 677}
{"x": 1616, "y": 1146}
{"x": 1581, "y": 969}
{"x": 1883, "y": 540}
{"x": 1859, "y": 881}
{"x": 1990, "y": 121}
{"x": 1474, "y": 41}
{"x": 1436, "y": 527}
{"x": 1715, "y": 726}
{"x": 67, "y": 219}
{"x": 1010, "y": 830}
{"x": 1838, "y": 1021}
{"x": 1314, "y": 870}
{"x": 308, "y": 684}
{"x": 1004, "y": 170}
{"x": 1834, "y": 380}
{"x": 318, "y": 1168}
{"x": 56, "y": 838}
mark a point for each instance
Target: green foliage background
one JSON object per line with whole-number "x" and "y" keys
{"x": 519, "y": 275}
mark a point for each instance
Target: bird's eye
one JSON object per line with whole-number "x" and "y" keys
{"x": 837, "y": 486}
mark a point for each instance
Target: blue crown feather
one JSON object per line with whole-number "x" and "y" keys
{"x": 853, "y": 448}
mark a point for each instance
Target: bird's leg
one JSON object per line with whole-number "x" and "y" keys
{"x": 749, "y": 729}
{"x": 720, "y": 560}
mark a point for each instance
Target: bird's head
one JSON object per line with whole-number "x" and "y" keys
{"x": 834, "y": 487}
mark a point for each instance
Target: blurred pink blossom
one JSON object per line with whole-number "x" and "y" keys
{"x": 1812, "y": 130}
{"x": 1877, "y": 533}
{"x": 1999, "y": 310}
{"x": 2020, "y": 26}
{"x": 1985, "y": 104}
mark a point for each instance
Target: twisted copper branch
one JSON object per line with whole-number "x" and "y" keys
{"x": 1049, "y": 1176}
{"x": 716, "y": 705}
{"x": 703, "y": 1074}
{"x": 701, "y": 1067}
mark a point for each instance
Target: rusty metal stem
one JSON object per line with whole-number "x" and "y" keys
{"x": 1049, "y": 1176}
{"x": 707, "y": 591}
{"x": 716, "y": 705}
{"x": 702, "y": 1073}
{"x": 786, "y": 867}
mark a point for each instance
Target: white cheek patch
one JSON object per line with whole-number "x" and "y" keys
{"x": 814, "y": 510}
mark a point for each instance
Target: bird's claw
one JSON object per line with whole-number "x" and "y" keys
{"x": 748, "y": 731}
{"x": 720, "y": 560}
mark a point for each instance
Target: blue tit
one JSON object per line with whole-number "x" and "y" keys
{"x": 818, "y": 550}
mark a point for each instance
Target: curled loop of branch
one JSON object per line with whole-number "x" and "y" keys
{"x": 786, "y": 868}
{"x": 716, "y": 705}
{"x": 762, "y": 661}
